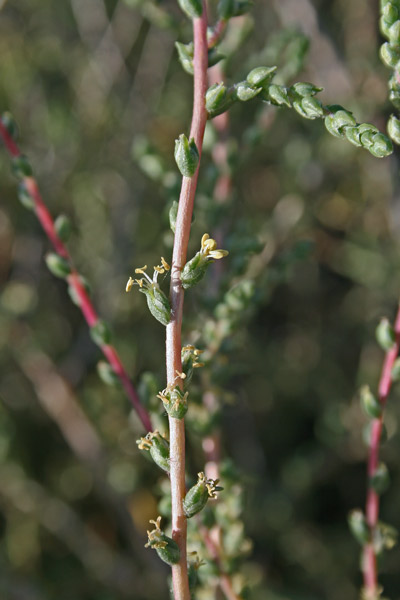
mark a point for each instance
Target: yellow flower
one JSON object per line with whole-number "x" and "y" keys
{"x": 209, "y": 248}
{"x": 157, "y": 301}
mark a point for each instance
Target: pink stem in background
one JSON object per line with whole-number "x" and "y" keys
{"x": 225, "y": 582}
{"x": 174, "y": 328}
{"x": 74, "y": 281}
{"x": 217, "y": 33}
{"x": 372, "y": 505}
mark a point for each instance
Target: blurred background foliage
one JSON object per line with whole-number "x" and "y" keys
{"x": 313, "y": 222}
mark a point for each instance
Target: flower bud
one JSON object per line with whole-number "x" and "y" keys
{"x": 389, "y": 13}
{"x": 107, "y": 373}
{"x": 245, "y": 92}
{"x": 278, "y": 95}
{"x": 380, "y": 480}
{"x": 25, "y": 197}
{"x": 367, "y": 132}
{"x": 192, "y": 8}
{"x": 10, "y": 124}
{"x": 394, "y": 34}
{"x": 384, "y": 26}
{"x": 63, "y": 227}
{"x": 305, "y": 89}
{"x": 72, "y": 291}
{"x": 359, "y": 527}
{"x": 338, "y": 120}
{"x": 185, "y": 54}
{"x": 260, "y": 76}
{"x": 370, "y": 404}
{"x": 390, "y": 56}
{"x": 21, "y": 167}
{"x": 194, "y": 271}
{"x": 158, "y": 447}
{"x": 381, "y": 146}
{"x": 190, "y": 361}
{"x": 217, "y": 99}
{"x": 393, "y": 128}
{"x": 100, "y": 333}
{"x": 57, "y": 265}
{"x": 353, "y": 135}
{"x": 174, "y": 401}
{"x": 385, "y": 335}
{"x": 166, "y": 548}
{"x": 309, "y": 107}
{"x": 394, "y": 97}
{"x": 158, "y": 303}
{"x": 197, "y": 497}
{"x": 186, "y": 155}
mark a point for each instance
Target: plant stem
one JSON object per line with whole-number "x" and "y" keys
{"x": 369, "y": 563}
{"x": 75, "y": 282}
{"x": 174, "y": 328}
{"x": 225, "y": 582}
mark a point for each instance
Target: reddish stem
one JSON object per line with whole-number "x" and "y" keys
{"x": 369, "y": 563}
{"x": 217, "y": 33}
{"x": 174, "y": 328}
{"x": 214, "y": 550}
{"x": 74, "y": 280}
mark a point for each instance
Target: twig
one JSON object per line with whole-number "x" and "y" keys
{"x": 174, "y": 328}
{"x": 224, "y": 580}
{"x": 369, "y": 563}
{"x": 74, "y": 280}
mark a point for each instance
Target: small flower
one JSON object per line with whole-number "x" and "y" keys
{"x": 175, "y": 401}
{"x": 209, "y": 248}
{"x": 157, "y": 444}
{"x": 193, "y": 353}
{"x": 155, "y": 536}
{"x": 166, "y": 548}
{"x": 197, "y": 497}
{"x": 157, "y": 301}
{"x": 196, "y": 268}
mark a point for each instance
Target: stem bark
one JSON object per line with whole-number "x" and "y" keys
{"x": 174, "y": 328}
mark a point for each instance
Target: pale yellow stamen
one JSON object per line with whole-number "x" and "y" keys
{"x": 165, "y": 264}
{"x": 209, "y": 248}
{"x": 144, "y": 444}
{"x": 141, "y": 270}
{"x": 139, "y": 282}
{"x": 218, "y": 254}
{"x": 210, "y": 245}
{"x": 159, "y": 269}
{"x": 204, "y": 239}
{"x": 187, "y": 348}
{"x": 129, "y": 284}
{"x": 180, "y": 375}
{"x": 162, "y": 397}
{"x": 154, "y": 534}
{"x": 197, "y": 365}
{"x": 211, "y": 485}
